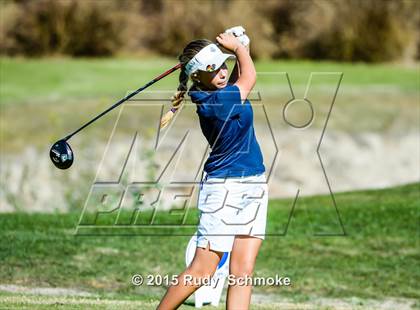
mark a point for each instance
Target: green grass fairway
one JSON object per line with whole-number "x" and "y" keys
{"x": 52, "y": 79}
{"x": 375, "y": 98}
{"x": 378, "y": 259}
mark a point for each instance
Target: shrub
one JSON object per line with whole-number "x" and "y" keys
{"x": 68, "y": 27}
{"x": 355, "y": 30}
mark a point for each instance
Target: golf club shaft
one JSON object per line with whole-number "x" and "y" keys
{"x": 125, "y": 99}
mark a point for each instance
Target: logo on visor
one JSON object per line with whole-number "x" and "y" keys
{"x": 210, "y": 68}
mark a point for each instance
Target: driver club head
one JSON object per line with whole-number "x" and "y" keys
{"x": 61, "y": 154}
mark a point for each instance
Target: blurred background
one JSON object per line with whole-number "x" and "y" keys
{"x": 62, "y": 62}
{"x": 65, "y": 61}
{"x": 369, "y": 31}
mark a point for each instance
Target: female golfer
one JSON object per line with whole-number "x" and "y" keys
{"x": 233, "y": 194}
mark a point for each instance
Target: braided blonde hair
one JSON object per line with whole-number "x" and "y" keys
{"x": 177, "y": 99}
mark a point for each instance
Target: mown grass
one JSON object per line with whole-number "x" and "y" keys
{"x": 377, "y": 257}
{"x": 60, "y": 94}
{"x": 34, "y": 302}
{"x": 50, "y": 79}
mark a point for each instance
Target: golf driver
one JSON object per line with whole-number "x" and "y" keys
{"x": 61, "y": 153}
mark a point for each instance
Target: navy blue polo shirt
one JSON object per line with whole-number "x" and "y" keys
{"x": 228, "y": 127}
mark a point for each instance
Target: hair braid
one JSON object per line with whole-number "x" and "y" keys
{"x": 188, "y": 53}
{"x": 176, "y": 99}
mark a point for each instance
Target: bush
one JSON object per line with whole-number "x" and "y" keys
{"x": 71, "y": 27}
{"x": 174, "y": 25}
{"x": 368, "y": 31}
{"x": 356, "y": 30}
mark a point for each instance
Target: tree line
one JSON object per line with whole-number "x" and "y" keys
{"x": 353, "y": 30}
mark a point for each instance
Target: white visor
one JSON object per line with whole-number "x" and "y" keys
{"x": 209, "y": 59}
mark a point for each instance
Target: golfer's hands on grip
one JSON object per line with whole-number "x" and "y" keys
{"x": 228, "y": 41}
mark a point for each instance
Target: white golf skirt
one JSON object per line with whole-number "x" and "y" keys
{"x": 229, "y": 207}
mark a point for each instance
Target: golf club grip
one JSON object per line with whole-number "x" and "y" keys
{"x": 176, "y": 67}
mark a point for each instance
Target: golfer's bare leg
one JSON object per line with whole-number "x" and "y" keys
{"x": 242, "y": 261}
{"x": 203, "y": 265}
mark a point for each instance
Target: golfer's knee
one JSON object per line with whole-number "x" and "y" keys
{"x": 242, "y": 269}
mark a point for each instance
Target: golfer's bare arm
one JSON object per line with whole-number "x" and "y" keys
{"x": 248, "y": 75}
